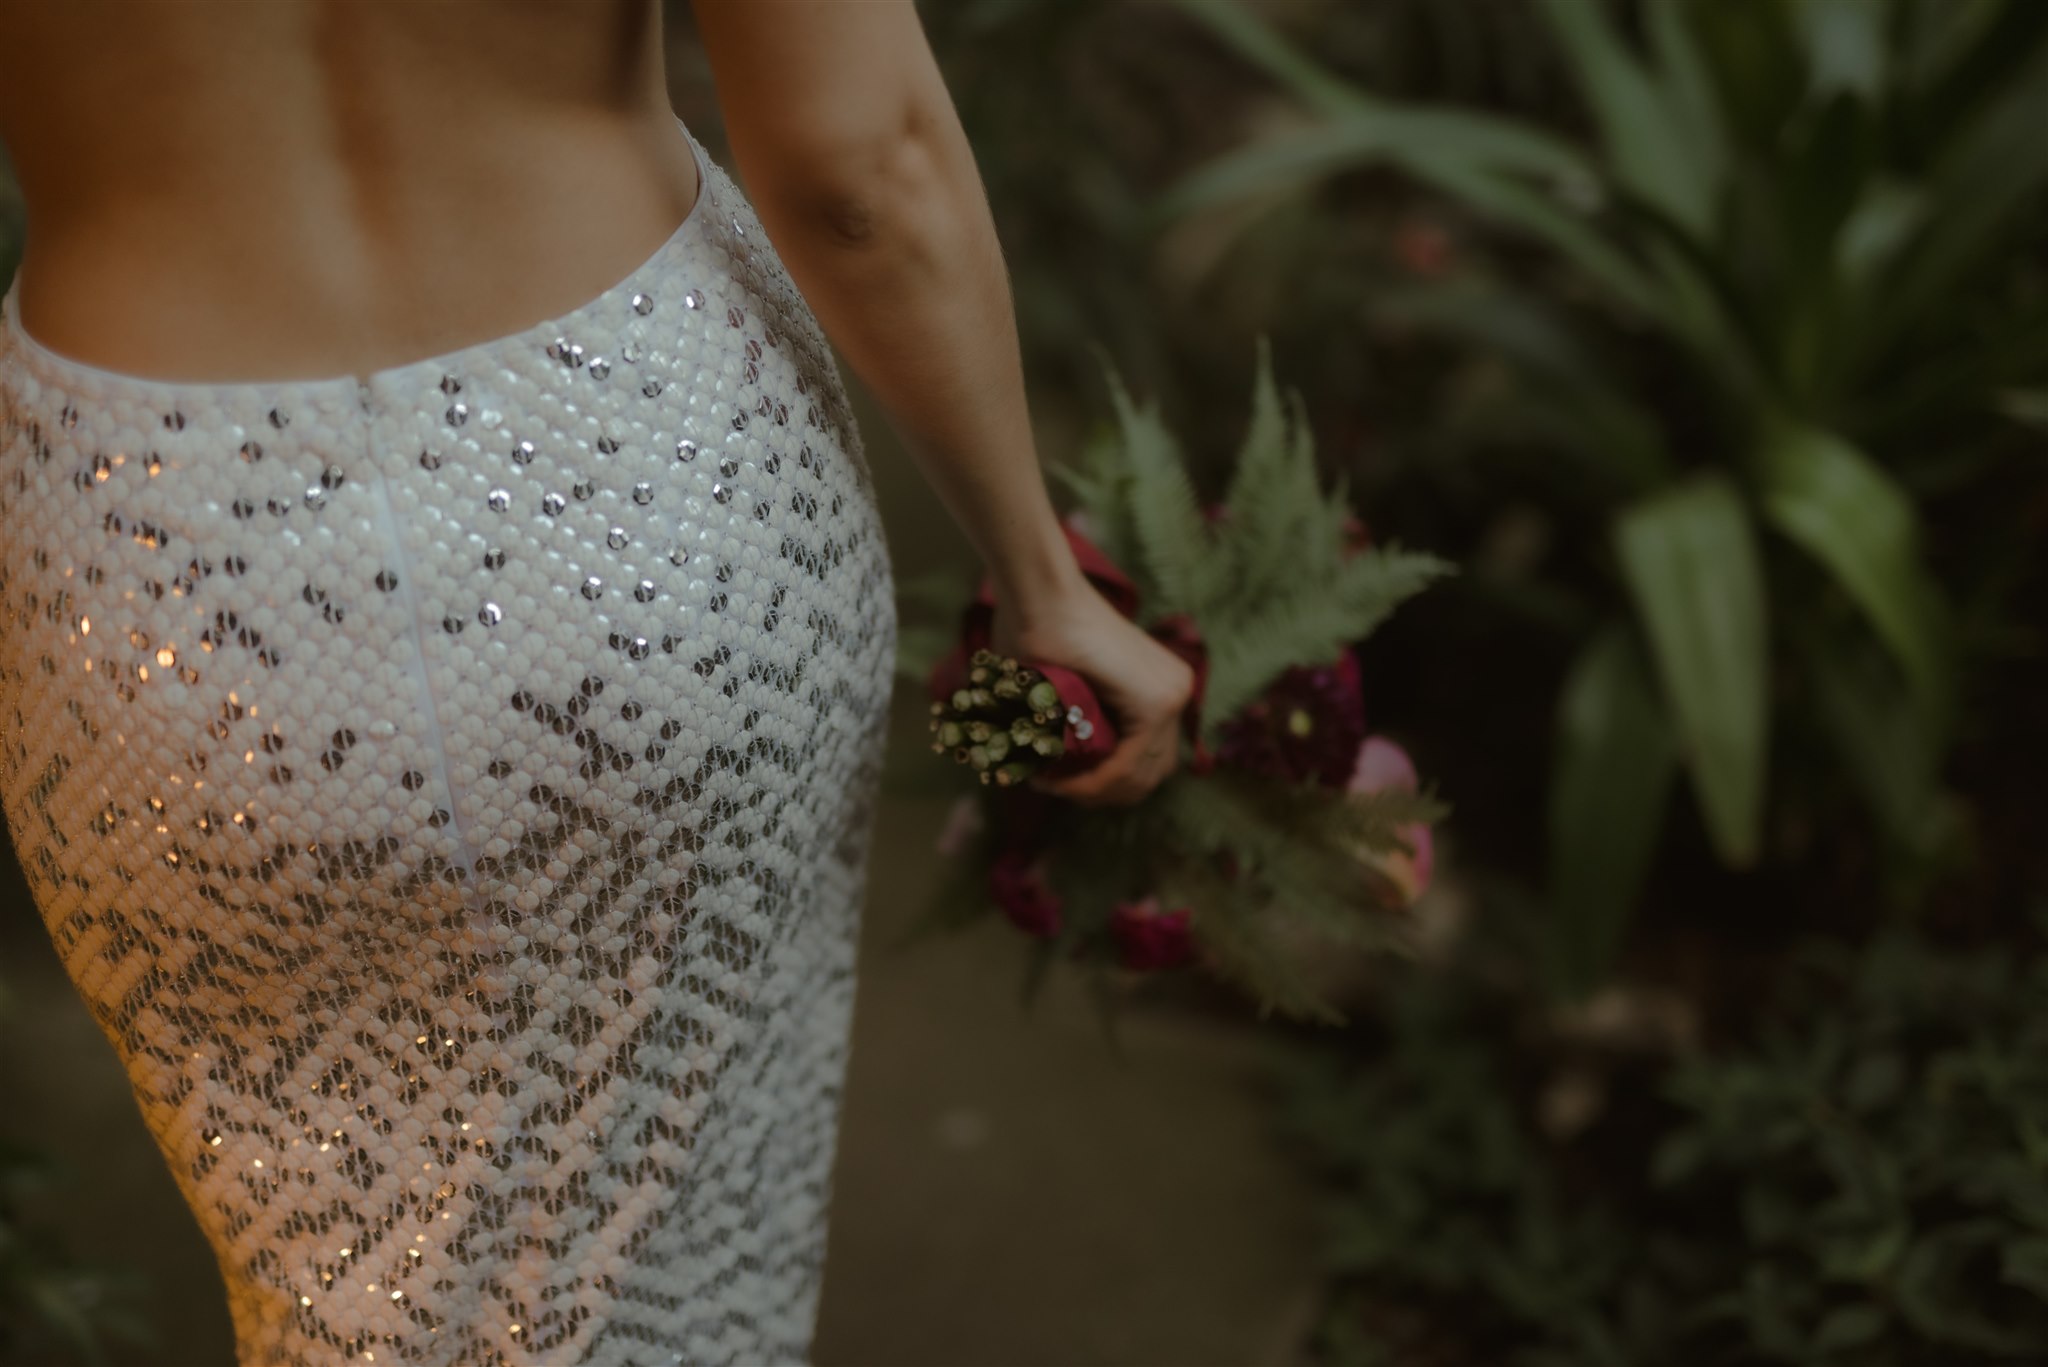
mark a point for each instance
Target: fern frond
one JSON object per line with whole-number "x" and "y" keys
{"x": 1259, "y": 459}
{"x": 1349, "y": 822}
{"x": 1102, "y": 491}
{"x": 1293, "y": 862}
{"x": 1247, "y": 653}
{"x": 1236, "y": 952}
{"x": 1276, "y": 502}
{"x": 1179, "y": 552}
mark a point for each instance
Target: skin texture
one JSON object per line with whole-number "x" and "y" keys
{"x": 228, "y": 190}
{"x": 306, "y": 188}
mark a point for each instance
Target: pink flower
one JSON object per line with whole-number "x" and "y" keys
{"x": 1016, "y": 880}
{"x": 1148, "y": 938}
{"x": 1398, "y": 877}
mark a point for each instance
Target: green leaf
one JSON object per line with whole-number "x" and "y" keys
{"x": 1610, "y": 783}
{"x": 1849, "y": 1326}
{"x": 1178, "y": 555}
{"x": 1420, "y": 139}
{"x": 1689, "y": 560}
{"x": 2023, "y": 1262}
{"x": 1840, "y": 508}
{"x": 1605, "y": 427}
{"x": 1995, "y": 166}
{"x": 1565, "y": 230}
{"x": 1886, "y": 214}
{"x": 1945, "y": 36}
{"x": 1887, "y": 743}
{"x": 1646, "y": 138}
{"x": 1689, "y": 87}
{"x": 2029, "y": 406}
{"x": 1845, "y": 45}
{"x": 1257, "y": 42}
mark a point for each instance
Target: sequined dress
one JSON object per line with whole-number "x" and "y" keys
{"x": 450, "y": 789}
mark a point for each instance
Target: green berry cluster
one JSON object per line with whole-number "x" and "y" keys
{"x": 1005, "y": 722}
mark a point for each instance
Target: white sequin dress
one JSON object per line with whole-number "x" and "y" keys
{"x": 450, "y": 789}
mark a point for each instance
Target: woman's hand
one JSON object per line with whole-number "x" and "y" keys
{"x": 1144, "y": 686}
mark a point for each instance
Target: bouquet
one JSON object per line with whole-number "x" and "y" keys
{"x": 1286, "y": 815}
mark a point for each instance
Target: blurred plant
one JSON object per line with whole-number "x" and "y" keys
{"x": 1788, "y": 308}
{"x": 1862, "y": 1179}
{"x": 49, "y": 1302}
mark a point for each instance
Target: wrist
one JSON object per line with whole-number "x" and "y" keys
{"x": 1040, "y": 581}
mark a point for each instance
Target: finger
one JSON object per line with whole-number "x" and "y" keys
{"x": 1152, "y": 757}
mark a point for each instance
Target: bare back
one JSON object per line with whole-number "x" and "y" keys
{"x": 305, "y": 188}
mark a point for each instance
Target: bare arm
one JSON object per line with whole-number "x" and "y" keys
{"x": 852, "y": 154}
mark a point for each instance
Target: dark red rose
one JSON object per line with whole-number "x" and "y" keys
{"x": 1149, "y": 938}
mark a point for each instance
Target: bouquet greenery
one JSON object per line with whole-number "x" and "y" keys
{"x": 1286, "y": 816}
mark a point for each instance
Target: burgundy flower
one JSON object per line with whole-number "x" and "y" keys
{"x": 1017, "y": 882}
{"x": 1149, "y": 938}
{"x": 1306, "y": 725}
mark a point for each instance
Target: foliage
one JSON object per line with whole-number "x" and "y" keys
{"x": 1859, "y": 1178}
{"x": 1784, "y": 313}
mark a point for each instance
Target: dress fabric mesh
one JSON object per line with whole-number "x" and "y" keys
{"x": 450, "y": 789}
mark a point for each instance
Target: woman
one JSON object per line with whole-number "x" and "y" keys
{"x": 444, "y": 664}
